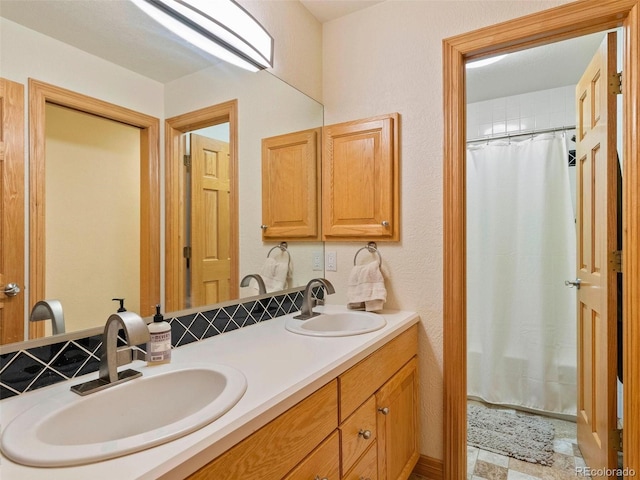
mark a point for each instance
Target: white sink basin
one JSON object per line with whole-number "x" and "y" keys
{"x": 339, "y": 324}
{"x": 167, "y": 402}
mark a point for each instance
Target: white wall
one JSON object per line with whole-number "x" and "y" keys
{"x": 387, "y": 58}
{"x": 298, "y": 42}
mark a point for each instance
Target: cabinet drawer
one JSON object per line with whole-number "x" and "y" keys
{"x": 323, "y": 462}
{"x": 357, "y": 433}
{"x": 367, "y": 466}
{"x": 363, "y": 379}
{"x": 271, "y": 452}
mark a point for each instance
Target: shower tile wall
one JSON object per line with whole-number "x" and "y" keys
{"x": 529, "y": 111}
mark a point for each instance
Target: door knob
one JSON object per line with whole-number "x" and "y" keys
{"x": 11, "y": 289}
{"x": 573, "y": 283}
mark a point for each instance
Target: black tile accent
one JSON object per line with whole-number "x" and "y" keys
{"x": 90, "y": 344}
{"x": 221, "y": 321}
{"x": 177, "y": 331}
{"x": 91, "y": 365}
{"x": 199, "y": 326}
{"x": 45, "y": 365}
{"x": 5, "y": 359}
{"x": 47, "y": 352}
{"x": 70, "y": 360}
{"x": 46, "y": 378}
{"x": 211, "y": 331}
{"x": 6, "y": 392}
{"x": 186, "y": 339}
{"x": 21, "y": 371}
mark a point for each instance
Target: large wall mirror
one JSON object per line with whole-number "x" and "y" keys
{"x": 145, "y": 70}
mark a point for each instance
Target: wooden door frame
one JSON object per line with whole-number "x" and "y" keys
{"x": 174, "y": 127}
{"x": 12, "y": 228}
{"x": 560, "y": 23}
{"x": 39, "y": 94}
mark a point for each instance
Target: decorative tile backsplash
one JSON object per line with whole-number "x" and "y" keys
{"x": 27, "y": 370}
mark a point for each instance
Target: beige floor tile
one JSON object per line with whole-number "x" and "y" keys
{"x": 490, "y": 471}
{"x": 533, "y": 469}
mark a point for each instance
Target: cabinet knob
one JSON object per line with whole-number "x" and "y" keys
{"x": 264, "y": 227}
{"x": 318, "y": 477}
{"x": 384, "y": 223}
{"x": 366, "y": 434}
{"x": 384, "y": 410}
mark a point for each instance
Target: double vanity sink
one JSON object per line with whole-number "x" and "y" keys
{"x": 67, "y": 430}
{"x": 338, "y": 324}
{"x": 214, "y": 392}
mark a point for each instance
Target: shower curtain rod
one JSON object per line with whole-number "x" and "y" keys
{"x": 521, "y": 134}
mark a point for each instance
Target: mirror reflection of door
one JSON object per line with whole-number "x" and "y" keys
{"x": 594, "y": 375}
{"x": 209, "y": 219}
{"x": 12, "y": 289}
{"x": 92, "y": 215}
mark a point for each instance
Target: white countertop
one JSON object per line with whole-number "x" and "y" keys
{"x": 281, "y": 368}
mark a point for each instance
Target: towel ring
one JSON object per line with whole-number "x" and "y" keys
{"x": 283, "y": 247}
{"x": 371, "y": 247}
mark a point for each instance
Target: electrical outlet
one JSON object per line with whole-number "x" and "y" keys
{"x": 317, "y": 261}
{"x": 332, "y": 262}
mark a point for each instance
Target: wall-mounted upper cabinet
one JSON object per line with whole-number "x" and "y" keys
{"x": 291, "y": 186}
{"x": 360, "y": 180}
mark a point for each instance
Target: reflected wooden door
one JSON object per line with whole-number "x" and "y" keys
{"x": 210, "y": 222}
{"x": 11, "y": 210}
{"x": 596, "y": 224}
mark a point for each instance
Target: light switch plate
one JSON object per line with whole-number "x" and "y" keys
{"x": 332, "y": 262}
{"x": 317, "y": 261}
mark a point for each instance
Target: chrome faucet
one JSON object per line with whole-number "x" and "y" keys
{"x": 261, "y": 286}
{"x": 49, "y": 310}
{"x": 309, "y": 301}
{"x": 136, "y": 331}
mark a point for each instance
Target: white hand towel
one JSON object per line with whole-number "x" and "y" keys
{"x": 366, "y": 290}
{"x": 274, "y": 275}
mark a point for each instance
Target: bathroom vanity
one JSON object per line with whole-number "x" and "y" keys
{"x": 332, "y": 407}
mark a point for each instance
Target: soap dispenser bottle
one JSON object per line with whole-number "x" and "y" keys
{"x": 121, "y": 308}
{"x": 159, "y": 345}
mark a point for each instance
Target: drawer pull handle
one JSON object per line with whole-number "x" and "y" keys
{"x": 366, "y": 434}
{"x": 384, "y": 410}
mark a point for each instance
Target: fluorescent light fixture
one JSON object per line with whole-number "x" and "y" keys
{"x": 485, "y": 61}
{"x": 219, "y": 27}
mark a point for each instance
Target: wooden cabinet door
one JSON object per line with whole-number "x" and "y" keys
{"x": 291, "y": 186}
{"x": 397, "y": 424}
{"x": 323, "y": 462}
{"x": 360, "y": 180}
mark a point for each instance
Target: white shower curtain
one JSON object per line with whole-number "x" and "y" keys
{"x": 521, "y": 318}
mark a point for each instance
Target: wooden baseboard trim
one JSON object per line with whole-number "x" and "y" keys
{"x": 430, "y": 468}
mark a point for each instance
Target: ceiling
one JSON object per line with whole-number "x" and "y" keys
{"x": 556, "y": 65}
{"x": 326, "y": 10}
{"x": 104, "y": 28}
